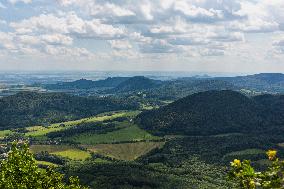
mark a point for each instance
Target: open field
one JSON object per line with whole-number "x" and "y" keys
{"x": 46, "y": 163}
{"x": 125, "y": 131}
{"x": 253, "y": 154}
{"x": 246, "y": 152}
{"x": 128, "y": 132}
{"x": 62, "y": 150}
{"x": 4, "y": 133}
{"x": 37, "y": 131}
{"x": 125, "y": 151}
{"x": 74, "y": 154}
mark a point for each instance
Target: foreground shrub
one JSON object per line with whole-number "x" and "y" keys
{"x": 20, "y": 171}
{"x": 245, "y": 175}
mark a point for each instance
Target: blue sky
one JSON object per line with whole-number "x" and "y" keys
{"x": 146, "y": 35}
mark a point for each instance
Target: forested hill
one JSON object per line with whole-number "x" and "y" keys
{"x": 216, "y": 112}
{"x": 271, "y": 82}
{"x": 183, "y": 87}
{"x": 136, "y": 83}
{"x": 28, "y": 108}
{"x": 88, "y": 84}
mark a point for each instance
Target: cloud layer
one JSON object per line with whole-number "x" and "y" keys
{"x": 150, "y": 29}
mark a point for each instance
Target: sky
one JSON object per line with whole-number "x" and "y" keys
{"x": 244, "y": 36}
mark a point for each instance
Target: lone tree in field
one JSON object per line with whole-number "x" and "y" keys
{"x": 20, "y": 171}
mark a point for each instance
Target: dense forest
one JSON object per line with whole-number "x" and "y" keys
{"x": 87, "y": 84}
{"x": 27, "y": 108}
{"x": 216, "y": 112}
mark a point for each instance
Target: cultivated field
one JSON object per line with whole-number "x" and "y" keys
{"x": 67, "y": 151}
{"x": 124, "y": 151}
{"x": 127, "y": 132}
{"x": 5, "y": 133}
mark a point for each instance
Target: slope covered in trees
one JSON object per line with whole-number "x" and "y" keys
{"x": 27, "y": 108}
{"x": 136, "y": 83}
{"x": 19, "y": 170}
{"x": 271, "y": 82}
{"x": 183, "y": 87}
{"x": 216, "y": 112}
{"x": 87, "y": 84}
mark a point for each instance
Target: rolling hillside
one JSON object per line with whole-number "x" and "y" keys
{"x": 215, "y": 112}
{"x": 269, "y": 82}
{"x": 27, "y": 108}
{"x": 135, "y": 84}
{"x": 87, "y": 84}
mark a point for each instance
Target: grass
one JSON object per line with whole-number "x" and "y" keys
{"x": 281, "y": 145}
{"x": 5, "y": 133}
{"x": 252, "y": 154}
{"x": 246, "y": 152}
{"x": 74, "y": 154}
{"x": 46, "y": 163}
{"x": 128, "y": 132}
{"x": 125, "y": 151}
{"x": 228, "y": 134}
{"x": 62, "y": 150}
{"x": 39, "y": 131}
{"x": 263, "y": 162}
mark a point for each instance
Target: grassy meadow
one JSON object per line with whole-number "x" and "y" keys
{"x": 46, "y": 163}
{"x": 67, "y": 151}
{"x": 126, "y": 142}
{"x": 5, "y": 133}
{"x": 39, "y": 131}
{"x": 127, "y": 132}
{"x": 124, "y": 151}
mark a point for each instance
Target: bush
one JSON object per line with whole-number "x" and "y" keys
{"x": 245, "y": 175}
{"x": 20, "y": 171}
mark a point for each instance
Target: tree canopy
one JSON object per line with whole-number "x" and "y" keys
{"x": 248, "y": 178}
{"x": 20, "y": 171}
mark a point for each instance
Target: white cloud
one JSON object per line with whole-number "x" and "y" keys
{"x": 39, "y": 44}
{"x": 112, "y": 10}
{"x": 157, "y": 28}
{"x": 57, "y": 39}
{"x": 17, "y": 1}
{"x": 69, "y": 23}
{"x": 120, "y": 44}
{"x": 6, "y": 41}
{"x": 255, "y": 26}
{"x": 2, "y": 6}
{"x": 193, "y": 12}
{"x": 146, "y": 9}
{"x": 159, "y": 46}
{"x": 66, "y": 51}
{"x": 278, "y": 44}
{"x": 3, "y": 22}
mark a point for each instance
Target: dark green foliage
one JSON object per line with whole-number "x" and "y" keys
{"x": 172, "y": 90}
{"x": 27, "y": 108}
{"x": 272, "y": 110}
{"x": 87, "y": 84}
{"x": 271, "y": 82}
{"x": 121, "y": 175}
{"x": 243, "y": 173}
{"x": 20, "y": 171}
{"x": 205, "y": 113}
{"x": 211, "y": 149}
{"x": 126, "y": 175}
{"x": 136, "y": 83}
{"x": 45, "y": 156}
{"x": 98, "y": 128}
